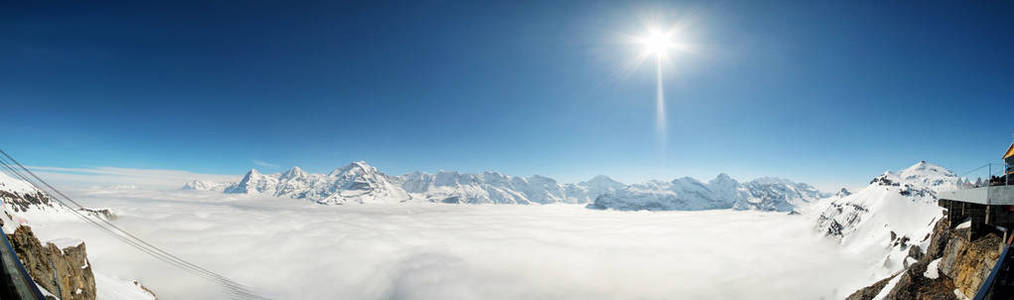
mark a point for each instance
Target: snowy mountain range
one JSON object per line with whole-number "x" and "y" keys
{"x": 896, "y": 211}
{"x": 359, "y": 182}
{"x": 766, "y": 193}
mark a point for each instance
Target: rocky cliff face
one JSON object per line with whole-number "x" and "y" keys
{"x": 62, "y": 269}
{"x": 953, "y": 267}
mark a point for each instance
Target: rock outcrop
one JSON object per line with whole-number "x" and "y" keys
{"x": 953, "y": 267}
{"x": 63, "y": 270}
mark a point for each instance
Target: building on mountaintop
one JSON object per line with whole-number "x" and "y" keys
{"x": 985, "y": 210}
{"x": 989, "y": 207}
{"x": 1008, "y": 161}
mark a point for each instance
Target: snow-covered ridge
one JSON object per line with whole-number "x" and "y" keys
{"x": 894, "y": 212}
{"x": 766, "y": 193}
{"x": 18, "y": 195}
{"x": 358, "y": 182}
{"x": 22, "y": 204}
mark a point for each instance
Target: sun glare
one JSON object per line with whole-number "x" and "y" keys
{"x": 656, "y": 42}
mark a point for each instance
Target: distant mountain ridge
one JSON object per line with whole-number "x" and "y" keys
{"x": 359, "y": 182}
{"x": 723, "y": 192}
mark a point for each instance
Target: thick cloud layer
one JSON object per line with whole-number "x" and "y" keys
{"x": 291, "y": 249}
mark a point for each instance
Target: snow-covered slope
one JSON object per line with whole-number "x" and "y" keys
{"x": 774, "y": 194}
{"x": 883, "y": 220}
{"x": 19, "y": 196}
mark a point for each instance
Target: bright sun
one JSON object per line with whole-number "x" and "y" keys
{"x": 656, "y": 42}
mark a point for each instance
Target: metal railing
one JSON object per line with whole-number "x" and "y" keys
{"x": 991, "y": 174}
{"x": 988, "y": 288}
{"x": 17, "y": 283}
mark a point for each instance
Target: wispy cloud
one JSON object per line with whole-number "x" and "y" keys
{"x": 264, "y": 164}
{"x": 109, "y": 176}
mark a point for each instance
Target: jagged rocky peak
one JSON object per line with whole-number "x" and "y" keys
{"x": 843, "y": 192}
{"x": 62, "y": 259}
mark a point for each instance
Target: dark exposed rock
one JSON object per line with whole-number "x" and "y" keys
{"x": 913, "y": 284}
{"x": 104, "y": 213}
{"x": 64, "y": 272}
{"x": 963, "y": 265}
{"x": 941, "y": 234}
{"x": 21, "y": 202}
{"x": 968, "y": 263}
{"x": 915, "y": 252}
{"x": 871, "y": 291}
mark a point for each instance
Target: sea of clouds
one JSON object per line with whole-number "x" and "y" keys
{"x": 292, "y": 249}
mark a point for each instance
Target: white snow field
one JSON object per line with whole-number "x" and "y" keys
{"x": 292, "y": 249}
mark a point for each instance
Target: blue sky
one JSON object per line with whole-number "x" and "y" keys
{"x": 830, "y": 93}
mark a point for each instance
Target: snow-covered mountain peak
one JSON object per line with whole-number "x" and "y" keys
{"x": 204, "y": 185}
{"x": 356, "y": 168}
{"x": 541, "y": 179}
{"x": 254, "y": 183}
{"x": 723, "y": 180}
{"x": 602, "y": 181}
{"x": 895, "y": 211}
{"x": 931, "y": 175}
{"x": 924, "y": 168}
{"x": 843, "y": 192}
{"x": 294, "y": 172}
{"x": 686, "y": 181}
{"x": 920, "y": 176}
{"x": 772, "y": 180}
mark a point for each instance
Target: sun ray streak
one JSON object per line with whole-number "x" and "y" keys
{"x": 659, "y": 104}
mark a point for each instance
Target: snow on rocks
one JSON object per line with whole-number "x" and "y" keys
{"x": 966, "y": 224}
{"x": 932, "y": 269}
{"x": 113, "y": 288}
{"x": 886, "y": 290}
{"x": 896, "y": 211}
{"x": 64, "y": 243}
